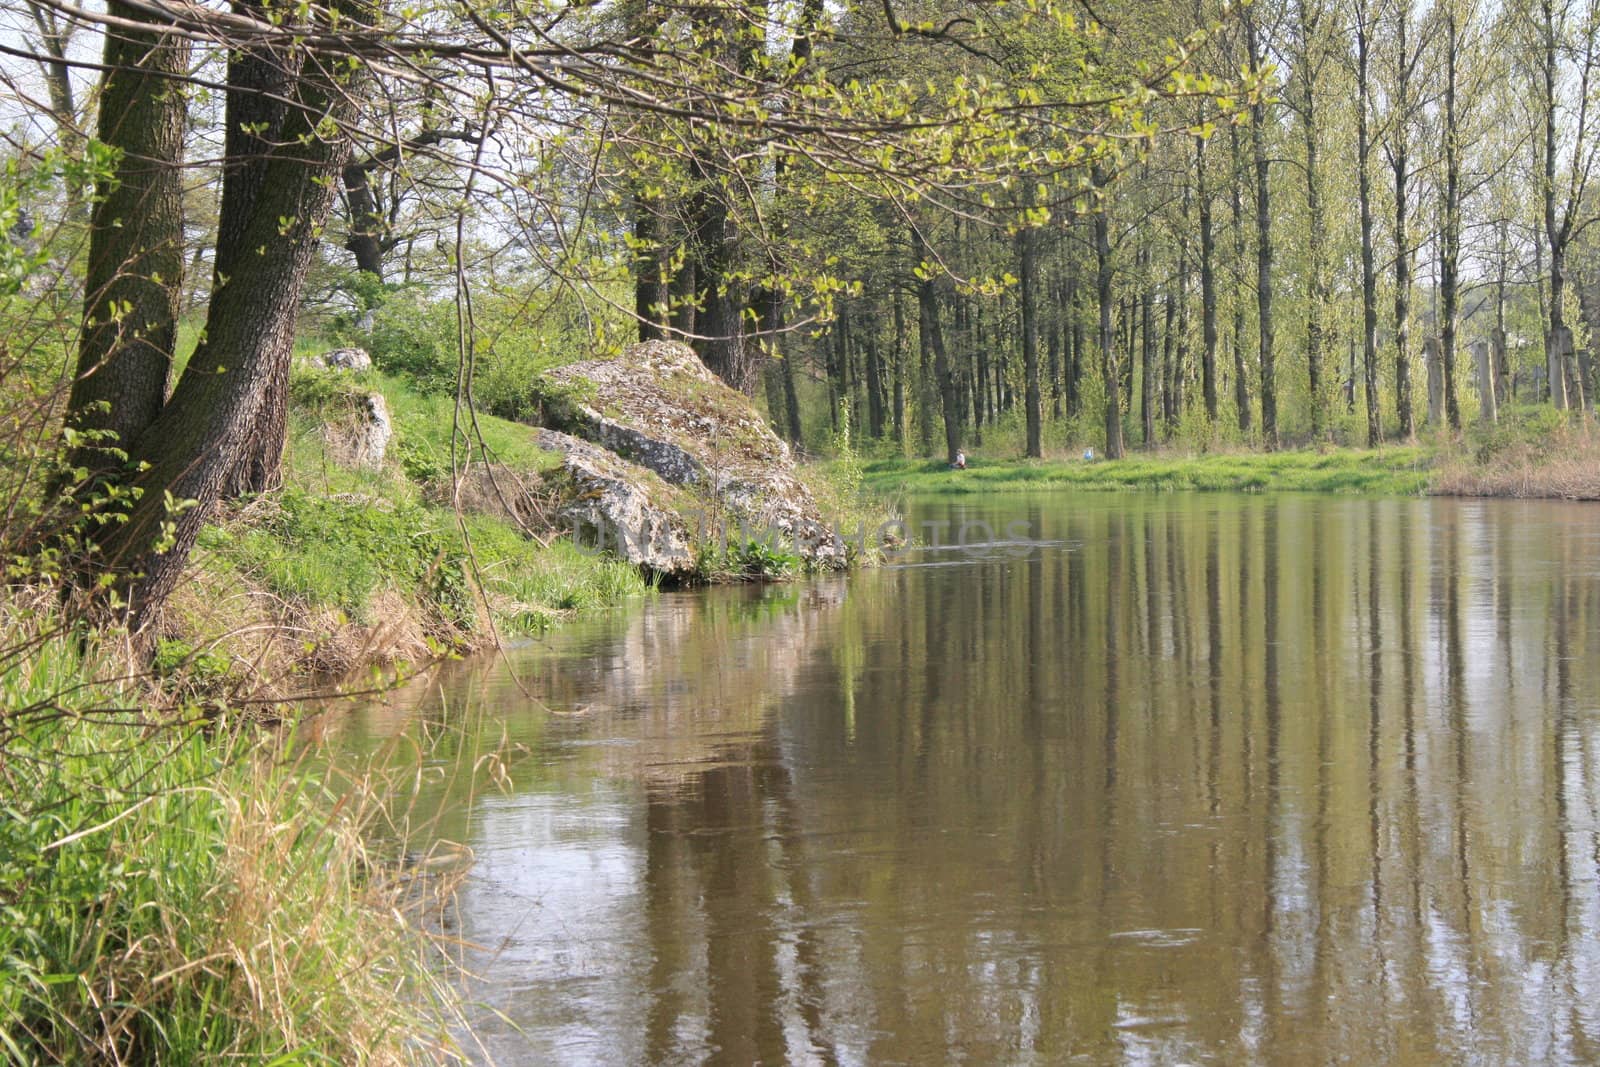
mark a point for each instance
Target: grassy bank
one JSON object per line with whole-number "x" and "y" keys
{"x": 1393, "y": 471}
{"x": 174, "y": 891}
{"x": 351, "y": 564}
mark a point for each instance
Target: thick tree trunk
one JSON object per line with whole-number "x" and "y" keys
{"x": 135, "y": 261}
{"x": 652, "y": 296}
{"x": 196, "y": 442}
{"x": 365, "y": 239}
{"x": 259, "y": 85}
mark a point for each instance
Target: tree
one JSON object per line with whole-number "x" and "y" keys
{"x": 1369, "y": 273}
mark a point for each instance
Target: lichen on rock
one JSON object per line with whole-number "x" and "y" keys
{"x": 611, "y": 504}
{"x": 657, "y": 409}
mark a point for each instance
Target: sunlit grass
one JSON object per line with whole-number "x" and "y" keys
{"x": 174, "y": 891}
{"x": 1390, "y": 472}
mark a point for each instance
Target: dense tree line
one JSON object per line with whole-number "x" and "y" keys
{"x": 927, "y": 224}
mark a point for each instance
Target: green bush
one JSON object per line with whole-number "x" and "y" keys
{"x": 414, "y": 336}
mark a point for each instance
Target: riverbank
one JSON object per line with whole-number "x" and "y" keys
{"x": 1393, "y": 472}
{"x": 1515, "y": 460}
{"x": 178, "y": 887}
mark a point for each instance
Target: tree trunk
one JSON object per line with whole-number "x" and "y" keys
{"x": 899, "y": 369}
{"x": 259, "y": 85}
{"x": 928, "y": 309}
{"x": 135, "y": 263}
{"x": 1369, "y": 275}
{"x": 874, "y": 386}
{"x": 1208, "y": 288}
{"x": 1147, "y": 359}
{"x": 55, "y": 32}
{"x": 652, "y": 295}
{"x": 1450, "y": 237}
{"x": 1108, "y": 349}
{"x": 195, "y": 443}
{"x": 1264, "y": 294}
{"x": 1241, "y": 377}
{"x": 1316, "y": 235}
{"x": 1027, "y": 254}
{"x": 1072, "y": 336}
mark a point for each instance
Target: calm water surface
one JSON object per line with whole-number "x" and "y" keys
{"x": 1200, "y": 779}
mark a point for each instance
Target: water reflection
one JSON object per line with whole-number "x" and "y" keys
{"x": 1201, "y": 779}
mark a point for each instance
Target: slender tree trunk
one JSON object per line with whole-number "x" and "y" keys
{"x": 928, "y": 308}
{"x": 1052, "y": 372}
{"x": 1241, "y": 376}
{"x": 1072, "y": 335}
{"x": 1316, "y": 236}
{"x": 874, "y": 386}
{"x": 1108, "y": 349}
{"x": 1450, "y": 238}
{"x": 54, "y": 35}
{"x": 1264, "y": 292}
{"x": 1399, "y": 164}
{"x": 1208, "y": 287}
{"x": 1556, "y": 228}
{"x": 899, "y": 369}
{"x": 1147, "y": 358}
{"x": 1027, "y": 254}
{"x": 1369, "y": 275}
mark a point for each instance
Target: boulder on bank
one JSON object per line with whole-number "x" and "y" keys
{"x": 360, "y": 436}
{"x": 612, "y": 504}
{"x": 346, "y": 359}
{"x": 656, "y": 409}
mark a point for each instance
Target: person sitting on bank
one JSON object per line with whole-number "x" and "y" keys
{"x": 960, "y": 462}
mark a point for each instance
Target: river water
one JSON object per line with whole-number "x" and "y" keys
{"x": 1166, "y": 779}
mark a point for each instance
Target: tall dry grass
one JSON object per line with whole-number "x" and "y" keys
{"x": 175, "y": 890}
{"x": 1557, "y": 461}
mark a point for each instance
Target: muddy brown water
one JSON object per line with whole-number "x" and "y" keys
{"x": 1165, "y": 779}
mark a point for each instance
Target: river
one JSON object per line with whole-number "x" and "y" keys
{"x": 1136, "y": 779}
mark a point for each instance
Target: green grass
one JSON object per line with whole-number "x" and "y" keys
{"x": 336, "y": 537}
{"x": 173, "y": 891}
{"x": 1387, "y": 472}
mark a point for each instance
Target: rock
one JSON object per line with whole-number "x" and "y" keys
{"x": 612, "y": 504}
{"x": 362, "y": 438}
{"x": 658, "y": 407}
{"x": 350, "y": 359}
